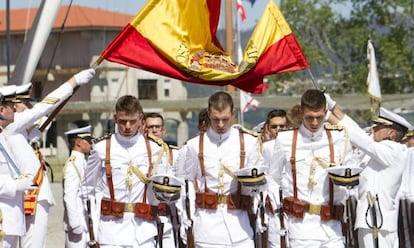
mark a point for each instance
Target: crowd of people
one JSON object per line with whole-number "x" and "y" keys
{"x": 286, "y": 183}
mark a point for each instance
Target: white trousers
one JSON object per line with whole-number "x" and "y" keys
{"x": 73, "y": 240}
{"x": 336, "y": 242}
{"x": 10, "y": 241}
{"x": 36, "y": 227}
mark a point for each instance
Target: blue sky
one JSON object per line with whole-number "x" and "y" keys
{"x": 132, "y": 7}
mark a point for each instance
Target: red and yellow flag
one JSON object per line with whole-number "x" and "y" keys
{"x": 177, "y": 38}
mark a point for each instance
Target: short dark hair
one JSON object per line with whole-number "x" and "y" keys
{"x": 275, "y": 113}
{"x": 154, "y": 115}
{"x": 313, "y": 99}
{"x": 220, "y": 100}
{"x": 129, "y": 104}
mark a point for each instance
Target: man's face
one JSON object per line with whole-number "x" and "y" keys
{"x": 221, "y": 121}
{"x": 128, "y": 124}
{"x": 313, "y": 119}
{"x": 275, "y": 124}
{"x": 154, "y": 126}
{"x": 84, "y": 145}
{"x": 22, "y": 106}
{"x": 381, "y": 132}
{"x": 7, "y": 112}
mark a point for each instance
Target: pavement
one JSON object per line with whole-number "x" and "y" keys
{"x": 55, "y": 234}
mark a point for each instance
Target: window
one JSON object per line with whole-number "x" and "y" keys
{"x": 147, "y": 89}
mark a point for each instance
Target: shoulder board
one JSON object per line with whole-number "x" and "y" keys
{"x": 173, "y": 147}
{"x": 70, "y": 159}
{"x": 157, "y": 140}
{"x": 50, "y": 100}
{"x": 248, "y": 131}
{"x": 98, "y": 139}
{"x": 334, "y": 127}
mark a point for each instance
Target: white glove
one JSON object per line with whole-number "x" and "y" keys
{"x": 329, "y": 101}
{"x": 78, "y": 229}
{"x": 328, "y": 113}
{"x": 84, "y": 76}
{"x": 23, "y": 184}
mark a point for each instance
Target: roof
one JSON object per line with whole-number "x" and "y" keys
{"x": 79, "y": 17}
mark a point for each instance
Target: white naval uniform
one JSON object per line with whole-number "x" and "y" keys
{"x": 219, "y": 227}
{"x": 11, "y": 201}
{"x": 312, "y": 160}
{"x": 74, "y": 193}
{"x": 407, "y": 185}
{"x": 36, "y": 225}
{"x": 127, "y": 231}
{"x": 381, "y": 176}
{"x": 274, "y": 159}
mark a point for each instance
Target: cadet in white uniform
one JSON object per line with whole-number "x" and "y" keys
{"x": 74, "y": 194}
{"x": 154, "y": 125}
{"x": 406, "y": 194}
{"x": 119, "y": 168}
{"x": 381, "y": 178}
{"x": 36, "y": 225}
{"x": 15, "y": 177}
{"x": 220, "y": 206}
{"x": 312, "y": 202}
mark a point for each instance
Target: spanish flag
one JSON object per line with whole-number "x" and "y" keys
{"x": 177, "y": 38}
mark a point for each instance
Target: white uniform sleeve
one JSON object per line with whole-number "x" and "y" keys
{"x": 71, "y": 185}
{"x": 276, "y": 160}
{"x": 93, "y": 172}
{"x": 381, "y": 151}
{"x": 25, "y": 119}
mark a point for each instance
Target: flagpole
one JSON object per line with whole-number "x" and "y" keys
{"x": 229, "y": 35}
{"x": 238, "y": 59}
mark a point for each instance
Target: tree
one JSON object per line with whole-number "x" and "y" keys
{"x": 335, "y": 43}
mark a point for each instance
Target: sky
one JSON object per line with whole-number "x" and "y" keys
{"x": 132, "y": 7}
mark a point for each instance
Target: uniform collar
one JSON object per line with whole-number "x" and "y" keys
{"x": 311, "y": 135}
{"x": 218, "y": 138}
{"x": 127, "y": 141}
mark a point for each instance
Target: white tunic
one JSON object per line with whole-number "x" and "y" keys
{"x": 11, "y": 201}
{"x": 24, "y": 122}
{"x": 123, "y": 154}
{"x": 312, "y": 160}
{"x": 73, "y": 192}
{"x": 219, "y": 226}
{"x": 407, "y": 185}
{"x": 381, "y": 176}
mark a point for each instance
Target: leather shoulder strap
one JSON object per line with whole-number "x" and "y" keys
{"x": 108, "y": 167}
{"x": 332, "y": 163}
{"x": 293, "y": 163}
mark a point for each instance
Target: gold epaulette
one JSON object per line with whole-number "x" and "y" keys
{"x": 248, "y": 131}
{"x": 174, "y": 147}
{"x": 334, "y": 127}
{"x": 50, "y": 100}
{"x": 71, "y": 159}
{"x": 98, "y": 139}
{"x": 157, "y": 140}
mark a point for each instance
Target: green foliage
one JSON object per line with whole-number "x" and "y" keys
{"x": 335, "y": 43}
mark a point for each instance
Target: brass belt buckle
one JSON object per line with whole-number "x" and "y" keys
{"x": 315, "y": 209}
{"x": 129, "y": 207}
{"x": 221, "y": 199}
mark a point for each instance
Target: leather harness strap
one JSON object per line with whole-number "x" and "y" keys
{"x": 149, "y": 174}
{"x": 201, "y": 160}
{"x": 108, "y": 168}
{"x": 293, "y": 165}
{"x": 332, "y": 163}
